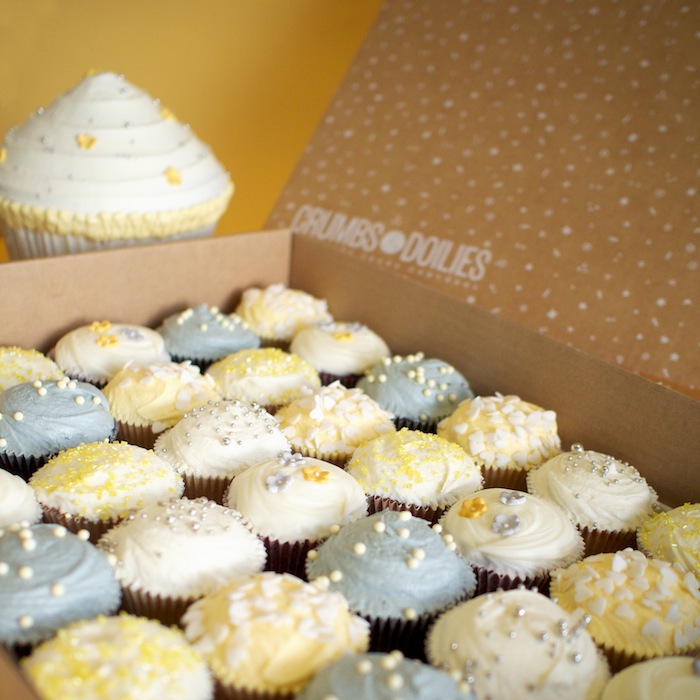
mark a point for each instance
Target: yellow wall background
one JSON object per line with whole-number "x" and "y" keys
{"x": 251, "y": 77}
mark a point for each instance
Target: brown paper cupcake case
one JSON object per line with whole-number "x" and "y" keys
{"x": 139, "y": 435}
{"x": 226, "y": 692}
{"x": 211, "y": 487}
{"x": 167, "y": 610}
{"x": 513, "y": 479}
{"x": 424, "y": 426}
{"x": 489, "y": 581}
{"x": 21, "y": 465}
{"x": 75, "y": 523}
{"x": 332, "y": 458}
{"x": 349, "y": 381}
{"x": 288, "y": 557}
{"x": 408, "y": 636}
{"x": 599, "y": 541}
{"x": 379, "y": 503}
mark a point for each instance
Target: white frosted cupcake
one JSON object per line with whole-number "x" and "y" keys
{"x": 170, "y": 553}
{"x": 95, "y": 352}
{"x": 674, "y": 536}
{"x": 20, "y": 365}
{"x": 667, "y": 678}
{"x": 606, "y": 498}
{"x": 146, "y": 399}
{"x": 18, "y": 502}
{"x": 639, "y": 608}
{"x": 293, "y": 502}
{"x": 103, "y": 166}
{"x": 340, "y": 351}
{"x": 211, "y": 445}
{"x": 511, "y": 538}
{"x": 517, "y": 644}
{"x": 267, "y": 376}
{"x": 331, "y": 422}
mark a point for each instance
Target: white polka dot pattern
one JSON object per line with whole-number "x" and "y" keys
{"x": 538, "y": 159}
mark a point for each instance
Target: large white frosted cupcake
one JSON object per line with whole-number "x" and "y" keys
{"x": 103, "y": 166}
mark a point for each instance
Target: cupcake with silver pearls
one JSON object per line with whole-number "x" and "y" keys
{"x": 418, "y": 390}
{"x": 518, "y": 643}
{"x": 204, "y": 334}
{"x": 607, "y": 498}
{"x": 395, "y": 570}
{"x": 170, "y": 553}
{"x": 383, "y": 676}
{"x": 215, "y": 443}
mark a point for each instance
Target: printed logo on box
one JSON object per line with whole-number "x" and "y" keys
{"x": 359, "y": 233}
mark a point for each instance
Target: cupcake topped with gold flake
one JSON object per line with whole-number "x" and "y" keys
{"x": 106, "y": 165}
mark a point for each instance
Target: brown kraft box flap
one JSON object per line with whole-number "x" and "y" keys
{"x": 538, "y": 160}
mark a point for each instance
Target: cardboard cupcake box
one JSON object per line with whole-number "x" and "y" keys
{"x": 599, "y": 405}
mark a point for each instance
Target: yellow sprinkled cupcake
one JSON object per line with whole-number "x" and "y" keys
{"x": 673, "y": 535}
{"x": 267, "y": 376}
{"x": 119, "y": 657}
{"x": 94, "y": 485}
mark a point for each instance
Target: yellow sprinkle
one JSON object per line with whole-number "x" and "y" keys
{"x": 173, "y": 176}
{"x": 85, "y": 141}
{"x": 166, "y": 113}
{"x": 3, "y": 154}
{"x": 100, "y": 326}
{"x": 105, "y": 341}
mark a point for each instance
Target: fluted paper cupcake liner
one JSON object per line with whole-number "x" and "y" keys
{"x": 349, "y": 381}
{"x": 379, "y": 503}
{"x": 139, "y": 435}
{"x": 599, "y": 541}
{"x": 288, "y": 557}
{"x": 25, "y": 244}
{"x": 166, "y": 609}
{"x": 228, "y": 692}
{"x": 488, "y": 581}
{"x": 212, "y": 487}
{"x": 513, "y": 479}
{"x": 75, "y": 523}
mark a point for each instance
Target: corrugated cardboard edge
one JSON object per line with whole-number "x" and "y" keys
{"x": 152, "y": 282}
{"x": 599, "y": 405}
{"x": 14, "y": 685}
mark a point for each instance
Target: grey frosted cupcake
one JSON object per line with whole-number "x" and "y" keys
{"x": 419, "y": 391}
{"x": 204, "y": 335}
{"x": 397, "y": 572}
{"x": 40, "y": 419}
{"x": 50, "y": 577}
{"x": 383, "y": 676}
